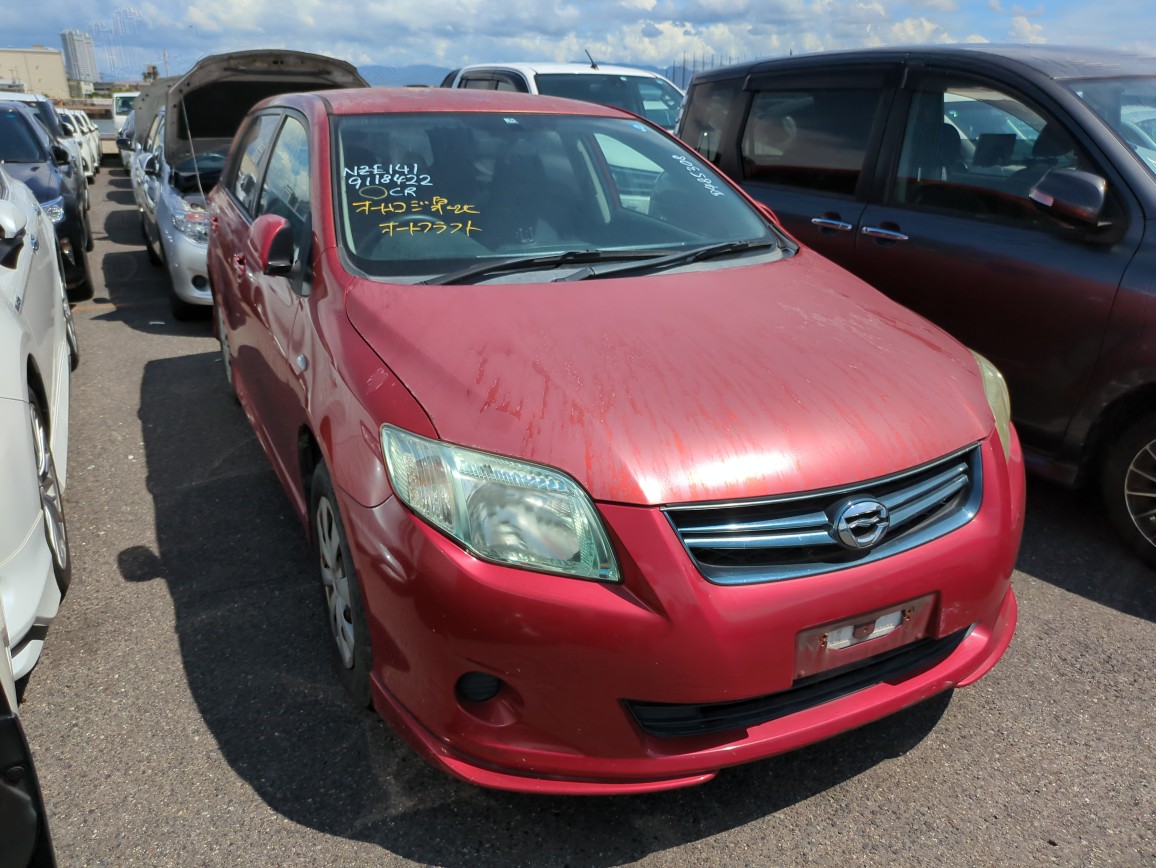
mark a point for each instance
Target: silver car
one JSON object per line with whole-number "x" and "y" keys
{"x": 188, "y": 124}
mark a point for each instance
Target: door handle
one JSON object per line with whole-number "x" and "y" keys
{"x": 832, "y": 223}
{"x": 883, "y": 234}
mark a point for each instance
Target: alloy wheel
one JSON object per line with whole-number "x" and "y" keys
{"x": 1140, "y": 491}
{"x": 51, "y": 498}
{"x": 335, "y": 579}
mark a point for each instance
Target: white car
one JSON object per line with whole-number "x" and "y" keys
{"x": 38, "y": 352}
{"x": 640, "y": 91}
{"x": 27, "y": 840}
{"x": 88, "y": 148}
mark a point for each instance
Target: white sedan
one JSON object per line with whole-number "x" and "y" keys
{"x": 38, "y": 352}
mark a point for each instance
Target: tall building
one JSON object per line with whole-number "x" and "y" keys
{"x": 79, "y": 55}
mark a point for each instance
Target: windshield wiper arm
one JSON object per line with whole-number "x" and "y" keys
{"x": 530, "y": 263}
{"x": 683, "y": 257}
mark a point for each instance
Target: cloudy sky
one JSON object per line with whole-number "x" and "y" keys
{"x": 658, "y": 33}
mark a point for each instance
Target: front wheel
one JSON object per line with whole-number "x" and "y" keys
{"x": 349, "y": 631}
{"x": 1128, "y": 484}
{"x": 226, "y": 350}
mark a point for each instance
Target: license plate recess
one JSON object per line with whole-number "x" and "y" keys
{"x": 842, "y": 643}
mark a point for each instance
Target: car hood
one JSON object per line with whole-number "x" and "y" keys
{"x": 44, "y": 181}
{"x": 213, "y": 97}
{"x": 709, "y": 384}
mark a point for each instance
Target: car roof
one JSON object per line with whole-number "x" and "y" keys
{"x": 25, "y": 97}
{"x": 386, "y": 100}
{"x": 563, "y": 68}
{"x": 1058, "y": 62}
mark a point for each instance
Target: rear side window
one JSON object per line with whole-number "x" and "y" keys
{"x": 258, "y": 137}
{"x": 813, "y": 138}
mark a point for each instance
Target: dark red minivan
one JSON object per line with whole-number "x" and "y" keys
{"x": 611, "y": 483}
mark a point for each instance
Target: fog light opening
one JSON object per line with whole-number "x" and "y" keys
{"x": 200, "y": 281}
{"x": 477, "y": 687}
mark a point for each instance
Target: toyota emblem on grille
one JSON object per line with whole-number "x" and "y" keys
{"x": 860, "y": 524}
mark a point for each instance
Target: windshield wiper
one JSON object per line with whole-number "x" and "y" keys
{"x": 673, "y": 260}
{"x": 532, "y": 263}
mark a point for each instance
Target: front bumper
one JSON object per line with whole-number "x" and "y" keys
{"x": 30, "y": 595}
{"x": 570, "y": 655}
{"x": 187, "y": 262}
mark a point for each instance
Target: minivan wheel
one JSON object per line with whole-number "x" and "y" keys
{"x": 51, "y": 498}
{"x": 1129, "y": 487}
{"x": 345, "y": 612}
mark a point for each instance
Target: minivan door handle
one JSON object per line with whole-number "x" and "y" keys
{"x": 883, "y": 234}
{"x": 832, "y": 223}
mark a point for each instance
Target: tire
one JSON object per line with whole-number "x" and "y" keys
{"x": 344, "y": 610}
{"x": 51, "y": 499}
{"x": 70, "y": 335}
{"x": 226, "y": 350}
{"x": 182, "y": 310}
{"x": 154, "y": 257}
{"x": 1128, "y": 485}
{"x": 89, "y": 241}
{"x": 82, "y": 291}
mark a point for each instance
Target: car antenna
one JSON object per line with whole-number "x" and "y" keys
{"x": 593, "y": 64}
{"x": 192, "y": 149}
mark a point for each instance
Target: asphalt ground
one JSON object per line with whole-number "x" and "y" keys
{"x": 184, "y": 712}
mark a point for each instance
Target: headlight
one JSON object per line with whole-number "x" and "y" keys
{"x": 192, "y": 221}
{"x": 501, "y": 510}
{"x": 54, "y": 209}
{"x": 995, "y": 389}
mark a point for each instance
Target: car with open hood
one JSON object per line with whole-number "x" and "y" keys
{"x": 185, "y": 125}
{"x": 611, "y": 483}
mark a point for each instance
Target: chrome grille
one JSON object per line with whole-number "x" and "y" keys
{"x": 793, "y": 536}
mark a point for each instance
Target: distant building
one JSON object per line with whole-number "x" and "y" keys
{"x": 37, "y": 69}
{"x": 79, "y": 55}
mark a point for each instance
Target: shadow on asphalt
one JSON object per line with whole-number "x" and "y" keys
{"x": 253, "y": 641}
{"x": 1069, "y": 542}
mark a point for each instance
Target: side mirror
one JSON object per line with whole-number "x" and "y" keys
{"x": 68, "y": 129}
{"x": 12, "y": 225}
{"x": 1072, "y": 196}
{"x": 271, "y": 238}
{"x": 60, "y": 155}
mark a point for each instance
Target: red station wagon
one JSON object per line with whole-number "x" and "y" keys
{"x": 612, "y": 484}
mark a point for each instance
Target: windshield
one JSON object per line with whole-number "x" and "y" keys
{"x": 429, "y": 194}
{"x": 1128, "y": 105}
{"x": 654, "y": 99}
{"x": 18, "y": 144}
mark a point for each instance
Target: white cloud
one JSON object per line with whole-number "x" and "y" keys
{"x": 1023, "y": 30}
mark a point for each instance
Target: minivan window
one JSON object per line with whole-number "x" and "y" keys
{"x": 1128, "y": 106}
{"x": 980, "y": 150}
{"x": 814, "y": 138}
{"x": 707, "y": 114}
